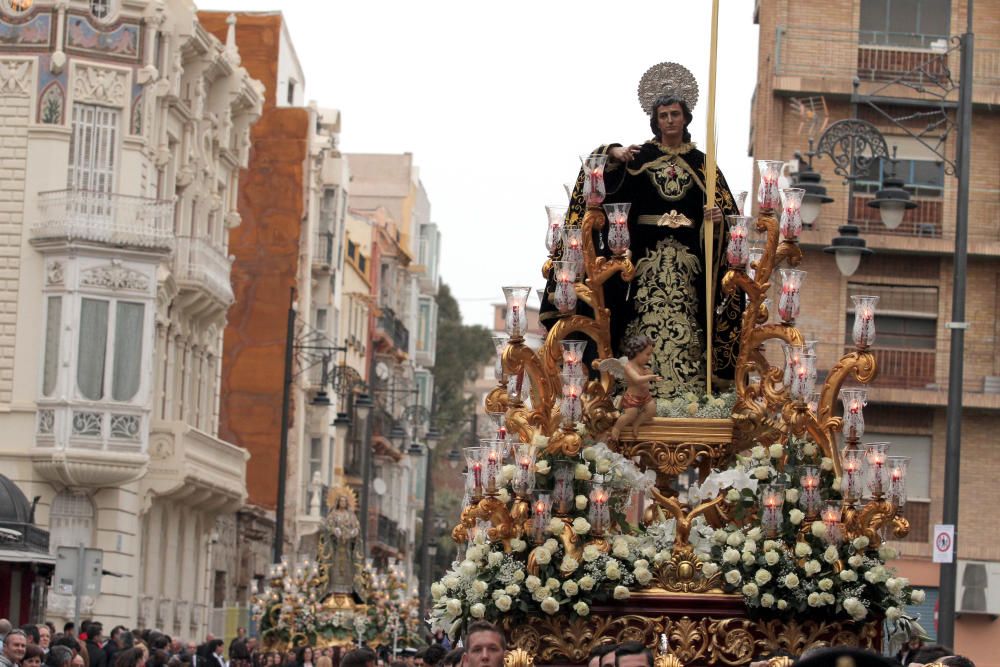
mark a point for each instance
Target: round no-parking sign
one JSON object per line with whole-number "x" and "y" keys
{"x": 944, "y": 543}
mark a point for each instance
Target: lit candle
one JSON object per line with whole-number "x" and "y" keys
{"x": 791, "y": 216}
{"x": 864, "y": 320}
{"x": 737, "y": 252}
{"x": 788, "y": 303}
{"x": 773, "y": 504}
{"x": 565, "y": 291}
{"x": 593, "y": 184}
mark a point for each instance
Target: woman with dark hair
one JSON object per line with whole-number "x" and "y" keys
{"x": 131, "y": 657}
{"x": 304, "y": 657}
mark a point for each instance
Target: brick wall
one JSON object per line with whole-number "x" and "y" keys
{"x": 15, "y": 110}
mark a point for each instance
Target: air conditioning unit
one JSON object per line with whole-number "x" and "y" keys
{"x": 978, "y": 588}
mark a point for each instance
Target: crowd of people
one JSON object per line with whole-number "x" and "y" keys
{"x": 483, "y": 646}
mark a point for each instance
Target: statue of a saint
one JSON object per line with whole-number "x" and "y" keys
{"x": 339, "y": 544}
{"x": 664, "y": 180}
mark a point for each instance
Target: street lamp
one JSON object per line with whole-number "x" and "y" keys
{"x": 454, "y": 458}
{"x": 812, "y": 182}
{"x": 847, "y": 249}
{"x": 397, "y": 435}
{"x": 415, "y": 450}
{"x": 341, "y": 425}
{"x": 432, "y": 436}
{"x": 892, "y": 201}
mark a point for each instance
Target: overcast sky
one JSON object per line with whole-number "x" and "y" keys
{"x": 497, "y": 100}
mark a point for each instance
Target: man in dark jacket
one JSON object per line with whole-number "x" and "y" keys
{"x": 95, "y": 645}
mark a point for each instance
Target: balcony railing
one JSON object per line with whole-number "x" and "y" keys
{"x": 394, "y": 329}
{"x": 323, "y": 251}
{"x": 104, "y": 217}
{"x": 200, "y": 261}
{"x": 903, "y": 368}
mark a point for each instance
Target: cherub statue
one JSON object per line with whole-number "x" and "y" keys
{"x": 637, "y": 404}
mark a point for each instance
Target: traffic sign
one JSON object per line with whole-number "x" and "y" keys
{"x": 944, "y": 543}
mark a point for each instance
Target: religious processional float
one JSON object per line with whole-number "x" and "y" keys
{"x": 780, "y": 543}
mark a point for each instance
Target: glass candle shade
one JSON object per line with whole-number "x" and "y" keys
{"x": 767, "y": 191}
{"x": 864, "y": 321}
{"x": 772, "y": 504}
{"x": 803, "y": 378}
{"x": 788, "y": 302}
{"x": 854, "y": 401}
{"x": 791, "y": 213}
{"x": 877, "y": 468}
{"x": 499, "y": 422}
{"x": 492, "y": 460}
{"x": 563, "y": 497}
{"x": 517, "y": 388}
{"x": 830, "y": 516}
{"x": 810, "y": 498}
{"x": 517, "y": 316}
{"x": 741, "y": 200}
{"x": 553, "y": 233}
{"x": 852, "y": 479}
{"x": 618, "y": 236}
{"x": 541, "y": 514}
{"x": 564, "y": 294}
{"x": 524, "y": 470}
{"x": 572, "y": 357}
{"x": 499, "y": 344}
{"x": 594, "y": 190}
{"x": 571, "y": 407}
{"x": 897, "y": 480}
{"x": 599, "y": 513}
{"x": 793, "y": 355}
{"x": 738, "y": 250}
{"x": 813, "y": 402}
{"x": 753, "y": 260}
{"x": 474, "y": 462}
{"x": 573, "y": 248}
{"x": 541, "y": 296}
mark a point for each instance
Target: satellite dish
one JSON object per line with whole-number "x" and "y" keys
{"x": 379, "y": 486}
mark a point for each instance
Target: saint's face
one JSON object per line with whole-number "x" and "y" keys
{"x": 670, "y": 120}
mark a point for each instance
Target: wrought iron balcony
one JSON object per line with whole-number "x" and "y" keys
{"x": 105, "y": 217}
{"x": 323, "y": 259}
{"x": 394, "y": 329}
{"x": 200, "y": 261}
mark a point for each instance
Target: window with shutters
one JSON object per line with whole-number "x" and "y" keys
{"x": 93, "y": 148}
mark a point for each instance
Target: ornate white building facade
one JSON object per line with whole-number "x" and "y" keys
{"x": 123, "y": 127}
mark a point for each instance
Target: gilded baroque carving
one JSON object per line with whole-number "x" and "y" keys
{"x": 16, "y": 78}
{"x": 116, "y": 277}
{"x": 100, "y": 85}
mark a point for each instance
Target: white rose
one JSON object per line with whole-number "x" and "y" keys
{"x": 587, "y": 582}
{"x": 643, "y": 576}
{"x": 709, "y": 569}
{"x": 507, "y": 472}
{"x": 733, "y": 577}
{"x": 755, "y": 534}
{"x": 791, "y": 580}
{"x": 796, "y": 516}
{"x": 452, "y": 581}
{"x": 551, "y": 545}
{"x": 532, "y": 583}
{"x": 453, "y": 607}
{"x": 885, "y": 552}
{"x": 809, "y": 449}
{"x": 848, "y": 575}
{"x": 771, "y": 545}
{"x": 860, "y": 543}
{"x": 569, "y": 564}
{"x": 519, "y": 576}
{"x": 581, "y": 503}
{"x": 750, "y": 546}
{"x": 855, "y": 608}
{"x": 762, "y": 472}
{"x": 776, "y": 451}
{"x": 582, "y": 471}
{"x": 589, "y": 454}
{"x": 792, "y": 496}
{"x": 648, "y": 551}
{"x": 549, "y": 605}
{"x": 782, "y": 604}
{"x": 758, "y": 452}
{"x": 831, "y": 554}
{"x": 581, "y": 526}
{"x": 719, "y": 537}
{"x": 767, "y": 600}
{"x": 542, "y": 467}
{"x": 802, "y": 549}
{"x": 477, "y": 610}
{"x": 762, "y": 577}
{"x": 814, "y": 600}
{"x": 818, "y": 529}
{"x": 735, "y": 539}
{"x": 917, "y": 596}
{"x": 826, "y": 463}
{"x": 772, "y": 557}
{"x": 591, "y": 553}
{"x": 825, "y": 584}
{"x": 750, "y": 590}
{"x": 556, "y": 526}
{"x": 475, "y": 553}
{"x": 503, "y": 602}
{"x": 732, "y": 495}
{"x": 748, "y": 558}
{"x": 468, "y": 568}
{"x": 621, "y": 593}
{"x": 581, "y": 608}
{"x": 553, "y": 584}
{"x": 828, "y": 598}
{"x": 731, "y": 556}
{"x": 540, "y": 594}
{"x": 613, "y": 570}
{"x": 892, "y": 614}
{"x": 620, "y": 548}
{"x": 542, "y": 555}
{"x": 855, "y": 561}
{"x": 518, "y": 545}
{"x": 812, "y": 567}
{"x": 602, "y": 466}
{"x": 512, "y": 589}
{"x": 894, "y": 586}
{"x": 570, "y": 587}
{"x": 495, "y": 558}
{"x": 438, "y": 590}
{"x": 479, "y": 587}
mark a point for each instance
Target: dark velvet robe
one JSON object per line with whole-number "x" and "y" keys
{"x": 666, "y": 300}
